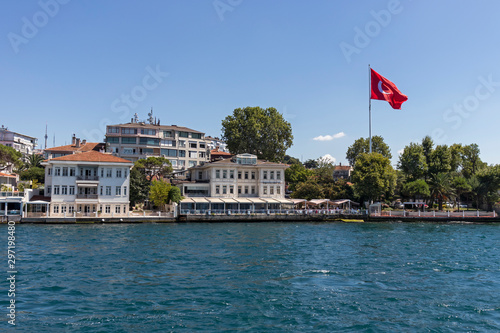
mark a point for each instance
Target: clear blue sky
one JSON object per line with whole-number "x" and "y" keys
{"x": 84, "y": 56}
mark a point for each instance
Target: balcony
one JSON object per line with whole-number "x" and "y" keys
{"x": 87, "y": 196}
{"x": 87, "y": 178}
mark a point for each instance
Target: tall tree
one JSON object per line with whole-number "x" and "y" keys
{"x": 441, "y": 189}
{"x": 416, "y": 188}
{"x": 159, "y": 193}
{"x": 9, "y": 157}
{"x": 139, "y": 186}
{"x": 154, "y": 167}
{"x": 373, "y": 176}
{"x": 33, "y": 161}
{"x": 308, "y": 190}
{"x": 362, "y": 145}
{"x": 262, "y": 132}
{"x": 412, "y": 162}
{"x": 440, "y": 160}
{"x": 296, "y": 174}
{"x": 471, "y": 162}
{"x": 290, "y": 160}
{"x": 311, "y": 164}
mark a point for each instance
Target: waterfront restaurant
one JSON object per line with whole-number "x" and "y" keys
{"x": 243, "y": 184}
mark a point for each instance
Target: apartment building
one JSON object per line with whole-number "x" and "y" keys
{"x": 86, "y": 183}
{"x": 342, "y": 172}
{"x": 243, "y": 182}
{"x": 20, "y": 142}
{"x": 77, "y": 146}
{"x": 182, "y": 146}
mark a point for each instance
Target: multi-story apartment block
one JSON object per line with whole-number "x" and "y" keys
{"x": 22, "y": 143}
{"x": 84, "y": 184}
{"x": 240, "y": 183}
{"x": 182, "y": 146}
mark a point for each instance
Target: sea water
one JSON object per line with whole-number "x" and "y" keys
{"x": 256, "y": 277}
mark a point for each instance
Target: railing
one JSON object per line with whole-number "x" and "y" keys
{"x": 441, "y": 214}
{"x": 87, "y": 177}
{"x": 329, "y": 212}
{"x": 11, "y": 194}
{"x": 86, "y": 196}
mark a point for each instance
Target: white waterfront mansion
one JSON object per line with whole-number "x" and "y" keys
{"x": 88, "y": 184}
{"x": 242, "y": 183}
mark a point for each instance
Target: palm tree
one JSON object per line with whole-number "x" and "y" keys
{"x": 33, "y": 161}
{"x": 441, "y": 188}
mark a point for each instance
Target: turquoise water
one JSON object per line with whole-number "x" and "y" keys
{"x": 262, "y": 277}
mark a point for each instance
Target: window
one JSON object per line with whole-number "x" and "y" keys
{"x": 130, "y": 141}
{"x": 224, "y": 189}
{"x": 102, "y": 173}
{"x": 200, "y": 175}
{"x": 56, "y": 190}
{"x": 271, "y": 174}
{"x": 71, "y": 209}
{"x": 182, "y": 153}
{"x": 128, "y": 151}
{"x": 264, "y": 175}
{"x": 182, "y": 144}
{"x": 125, "y": 190}
{"x": 278, "y": 175}
{"x": 107, "y": 209}
{"x": 113, "y": 130}
{"x": 202, "y": 145}
{"x": 265, "y": 189}
{"x": 193, "y": 154}
{"x": 72, "y": 172}
{"x": 253, "y": 189}
{"x": 64, "y": 190}
{"x": 224, "y": 174}
{"x": 56, "y": 209}
{"x": 183, "y": 134}
{"x": 278, "y": 189}
{"x": 101, "y": 190}
{"x": 239, "y": 189}
{"x": 192, "y": 164}
{"x": 125, "y": 172}
{"x": 246, "y": 174}
{"x": 147, "y": 151}
{"x": 231, "y": 189}
{"x": 63, "y": 209}
{"x": 246, "y": 189}
{"x": 202, "y": 154}
{"x": 253, "y": 174}
{"x": 169, "y": 152}
{"x": 182, "y": 163}
{"x": 168, "y": 143}
{"x": 49, "y": 171}
{"x": 217, "y": 189}
{"x": 148, "y": 131}
{"x": 65, "y": 171}
{"x": 239, "y": 174}
{"x": 118, "y": 190}
{"x": 117, "y": 209}
{"x": 129, "y": 130}
{"x": 193, "y": 145}
{"x": 57, "y": 171}
{"x": 149, "y": 141}
{"x": 173, "y": 162}
{"x": 168, "y": 134}
{"x": 71, "y": 190}
{"x": 108, "y": 190}
{"x": 217, "y": 173}
{"x": 196, "y": 135}
{"x": 112, "y": 139}
{"x": 118, "y": 173}
{"x": 109, "y": 172}
{"x": 271, "y": 190}
{"x": 48, "y": 190}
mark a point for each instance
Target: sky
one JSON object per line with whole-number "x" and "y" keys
{"x": 76, "y": 66}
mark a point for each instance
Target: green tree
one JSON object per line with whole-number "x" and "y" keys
{"x": 262, "y": 132}
{"x": 416, "y": 188}
{"x": 412, "y": 162}
{"x": 311, "y": 164}
{"x": 428, "y": 146}
{"x": 154, "y": 167}
{"x": 33, "y": 173}
{"x": 456, "y": 152}
{"x": 339, "y": 189}
{"x": 440, "y": 160}
{"x": 441, "y": 189}
{"x": 373, "y": 177}
{"x": 290, "y": 160}
{"x": 471, "y": 162}
{"x": 9, "y": 157}
{"x": 461, "y": 186}
{"x": 296, "y": 174}
{"x": 159, "y": 193}
{"x": 174, "y": 195}
{"x": 139, "y": 186}
{"x": 33, "y": 161}
{"x": 308, "y": 190}
{"x": 362, "y": 145}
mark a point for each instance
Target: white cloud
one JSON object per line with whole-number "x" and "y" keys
{"x": 329, "y": 137}
{"x": 327, "y": 158}
{"x": 401, "y": 151}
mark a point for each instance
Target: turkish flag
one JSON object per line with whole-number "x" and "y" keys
{"x": 383, "y": 89}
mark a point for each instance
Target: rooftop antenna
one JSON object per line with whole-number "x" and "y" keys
{"x": 54, "y": 140}
{"x": 136, "y": 118}
{"x": 46, "y": 136}
{"x": 150, "y": 117}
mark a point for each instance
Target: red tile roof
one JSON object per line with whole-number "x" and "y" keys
{"x": 7, "y": 175}
{"x": 89, "y": 146}
{"x": 91, "y": 156}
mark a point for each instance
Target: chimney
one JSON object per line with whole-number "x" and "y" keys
{"x": 73, "y": 141}
{"x": 84, "y": 142}
{"x": 77, "y": 144}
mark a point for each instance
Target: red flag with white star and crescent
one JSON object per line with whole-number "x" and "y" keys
{"x": 385, "y": 90}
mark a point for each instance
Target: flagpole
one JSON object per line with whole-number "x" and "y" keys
{"x": 370, "y": 105}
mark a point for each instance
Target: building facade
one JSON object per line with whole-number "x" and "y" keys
{"x": 76, "y": 146}
{"x": 88, "y": 184}
{"x": 240, "y": 183}
{"x": 342, "y": 172}
{"x": 20, "y": 142}
{"x": 182, "y": 146}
